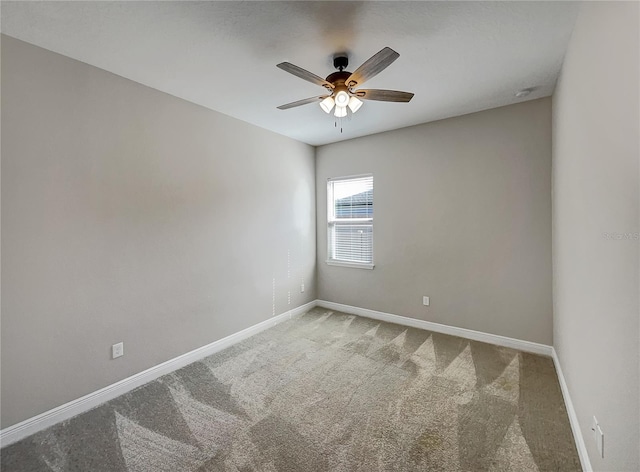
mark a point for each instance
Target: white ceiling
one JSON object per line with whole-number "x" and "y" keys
{"x": 457, "y": 57}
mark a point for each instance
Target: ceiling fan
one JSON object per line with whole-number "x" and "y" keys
{"x": 342, "y": 85}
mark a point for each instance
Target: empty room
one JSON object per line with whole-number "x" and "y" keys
{"x": 320, "y": 236}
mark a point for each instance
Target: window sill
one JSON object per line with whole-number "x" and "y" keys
{"x": 354, "y": 265}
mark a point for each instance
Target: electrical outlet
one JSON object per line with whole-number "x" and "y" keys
{"x": 301, "y": 288}
{"x": 117, "y": 350}
{"x": 425, "y": 301}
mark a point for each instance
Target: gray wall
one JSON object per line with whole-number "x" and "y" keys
{"x": 596, "y": 191}
{"x": 462, "y": 213}
{"x": 130, "y": 215}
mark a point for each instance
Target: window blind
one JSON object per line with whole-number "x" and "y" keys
{"x": 350, "y": 220}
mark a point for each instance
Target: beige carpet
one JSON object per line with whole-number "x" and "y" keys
{"x": 326, "y": 392}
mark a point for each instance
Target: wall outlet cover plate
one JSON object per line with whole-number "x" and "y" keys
{"x": 117, "y": 350}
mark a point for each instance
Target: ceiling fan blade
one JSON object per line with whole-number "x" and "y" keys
{"x": 372, "y": 67}
{"x": 384, "y": 95}
{"x": 302, "y": 102}
{"x": 304, "y": 74}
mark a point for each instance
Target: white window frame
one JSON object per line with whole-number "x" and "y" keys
{"x": 333, "y": 221}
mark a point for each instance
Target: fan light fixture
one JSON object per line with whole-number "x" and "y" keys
{"x": 341, "y": 101}
{"x": 342, "y": 98}
{"x": 354, "y": 104}
{"x": 327, "y": 104}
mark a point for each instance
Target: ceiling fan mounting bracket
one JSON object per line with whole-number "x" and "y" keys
{"x": 340, "y": 61}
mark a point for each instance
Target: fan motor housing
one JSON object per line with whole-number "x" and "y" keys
{"x": 338, "y": 78}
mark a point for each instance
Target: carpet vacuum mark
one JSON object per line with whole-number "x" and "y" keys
{"x": 325, "y": 392}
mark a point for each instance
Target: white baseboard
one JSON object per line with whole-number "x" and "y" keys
{"x": 573, "y": 418}
{"x": 526, "y": 346}
{"x": 37, "y": 423}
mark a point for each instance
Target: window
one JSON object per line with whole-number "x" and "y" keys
{"x": 350, "y": 221}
